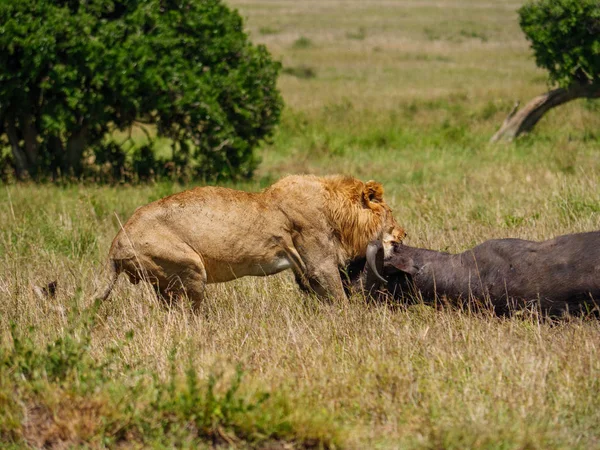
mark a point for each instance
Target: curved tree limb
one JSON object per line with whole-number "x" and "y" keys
{"x": 522, "y": 121}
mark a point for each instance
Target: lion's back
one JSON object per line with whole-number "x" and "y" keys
{"x": 211, "y": 220}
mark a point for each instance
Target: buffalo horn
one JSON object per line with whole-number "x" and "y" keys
{"x": 373, "y": 249}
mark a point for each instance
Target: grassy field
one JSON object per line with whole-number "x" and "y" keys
{"x": 404, "y": 92}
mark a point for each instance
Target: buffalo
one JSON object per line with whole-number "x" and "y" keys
{"x": 556, "y": 277}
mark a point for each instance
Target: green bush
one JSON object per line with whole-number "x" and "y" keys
{"x": 565, "y": 37}
{"x": 72, "y": 72}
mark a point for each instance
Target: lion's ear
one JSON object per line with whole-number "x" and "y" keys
{"x": 373, "y": 192}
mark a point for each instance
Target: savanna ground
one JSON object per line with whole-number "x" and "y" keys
{"x": 404, "y": 92}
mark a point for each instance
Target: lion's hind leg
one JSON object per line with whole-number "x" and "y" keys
{"x": 185, "y": 278}
{"x": 173, "y": 272}
{"x": 194, "y": 285}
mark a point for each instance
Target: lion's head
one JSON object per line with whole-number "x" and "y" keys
{"x": 358, "y": 214}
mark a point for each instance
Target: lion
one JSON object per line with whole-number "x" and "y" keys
{"x": 312, "y": 225}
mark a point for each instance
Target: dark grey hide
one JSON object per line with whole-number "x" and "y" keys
{"x": 555, "y": 276}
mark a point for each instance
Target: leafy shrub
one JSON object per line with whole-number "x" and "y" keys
{"x": 71, "y": 72}
{"x": 565, "y": 37}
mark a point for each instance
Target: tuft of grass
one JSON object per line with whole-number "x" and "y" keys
{"x": 432, "y": 34}
{"x": 359, "y": 35}
{"x": 302, "y": 71}
{"x": 302, "y": 43}
{"x": 457, "y": 31}
{"x": 266, "y": 30}
{"x": 473, "y": 34}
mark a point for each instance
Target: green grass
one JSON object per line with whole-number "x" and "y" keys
{"x": 71, "y": 397}
{"x": 263, "y": 365}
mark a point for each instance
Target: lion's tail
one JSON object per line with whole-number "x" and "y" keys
{"x": 114, "y": 274}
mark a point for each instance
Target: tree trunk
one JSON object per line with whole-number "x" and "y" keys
{"x": 21, "y": 164}
{"x": 75, "y": 147}
{"x": 30, "y": 134}
{"x": 519, "y": 122}
{"x": 57, "y": 154}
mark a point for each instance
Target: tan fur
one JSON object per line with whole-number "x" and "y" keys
{"x": 313, "y": 225}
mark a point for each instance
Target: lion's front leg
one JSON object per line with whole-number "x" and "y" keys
{"x": 326, "y": 283}
{"x": 313, "y": 282}
{"x": 302, "y": 281}
{"x": 321, "y": 272}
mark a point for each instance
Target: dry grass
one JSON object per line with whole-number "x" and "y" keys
{"x": 410, "y": 102}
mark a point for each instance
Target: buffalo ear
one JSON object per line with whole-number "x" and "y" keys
{"x": 403, "y": 263}
{"x": 373, "y": 192}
